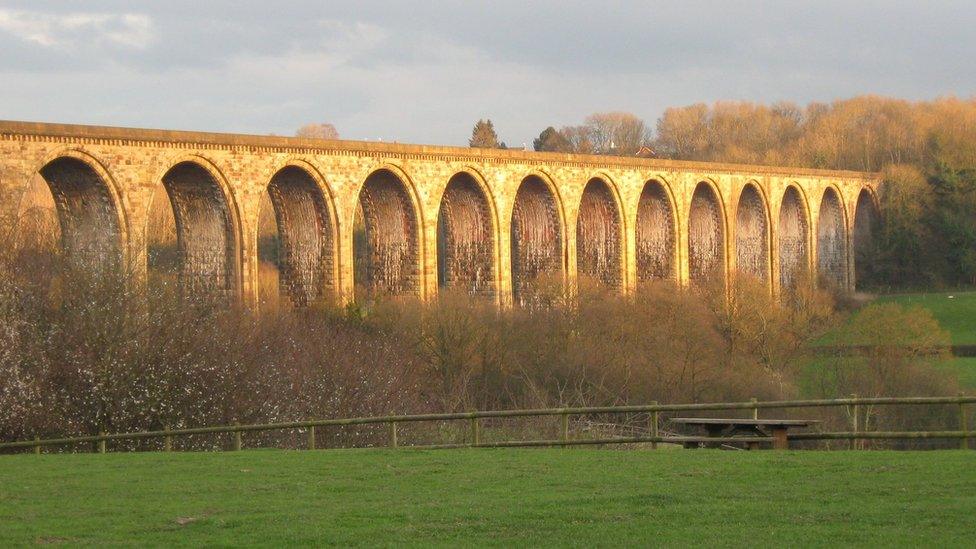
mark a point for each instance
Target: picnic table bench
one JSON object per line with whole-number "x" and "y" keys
{"x": 722, "y": 427}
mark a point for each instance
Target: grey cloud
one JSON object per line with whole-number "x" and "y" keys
{"x": 411, "y": 72}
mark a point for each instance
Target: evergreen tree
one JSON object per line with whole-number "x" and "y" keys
{"x": 552, "y": 140}
{"x": 483, "y": 135}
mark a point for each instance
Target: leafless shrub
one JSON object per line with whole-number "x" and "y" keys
{"x": 91, "y": 349}
{"x": 87, "y": 351}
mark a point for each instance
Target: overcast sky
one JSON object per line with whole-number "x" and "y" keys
{"x": 424, "y": 72}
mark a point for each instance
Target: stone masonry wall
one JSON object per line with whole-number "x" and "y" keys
{"x": 106, "y": 205}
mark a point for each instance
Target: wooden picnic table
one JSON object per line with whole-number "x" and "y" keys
{"x": 730, "y": 427}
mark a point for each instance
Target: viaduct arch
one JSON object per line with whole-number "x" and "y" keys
{"x": 304, "y": 217}
{"x": 599, "y": 235}
{"x": 656, "y": 234}
{"x": 90, "y": 218}
{"x": 867, "y": 219}
{"x": 537, "y": 240}
{"x": 752, "y": 241}
{"x": 207, "y": 234}
{"x": 379, "y": 218}
{"x": 832, "y": 241}
{"x": 707, "y": 247}
{"x": 466, "y": 247}
{"x": 794, "y": 239}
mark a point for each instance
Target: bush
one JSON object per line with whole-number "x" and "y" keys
{"x": 110, "y": 356}
{"x": 86, "y": 350}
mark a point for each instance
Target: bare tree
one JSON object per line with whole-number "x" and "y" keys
{"x": 578, "y": 138}
{"x": 323, "y": 130}
{"x": 620, "y": 133}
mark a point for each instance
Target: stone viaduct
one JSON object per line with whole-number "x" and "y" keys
{"x": 477, "y": 220}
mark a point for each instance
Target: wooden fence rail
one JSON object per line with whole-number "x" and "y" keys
{"x": 853, "y": 403}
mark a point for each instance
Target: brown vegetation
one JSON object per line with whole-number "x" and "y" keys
{"x": 323, "y": 130}
{"x": 864, "y": 133}
{"x": 926, "y": 149}
{"x": 83, "y": 353}
{"x": 615, "y": 133}
{"x": 109, "y": 355}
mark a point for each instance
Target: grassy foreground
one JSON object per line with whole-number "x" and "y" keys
{"x": 490, "y": 497}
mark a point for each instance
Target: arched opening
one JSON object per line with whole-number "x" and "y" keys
{"x": 386, "y": 249}
{"x": 793, "y": 230}
{"x": 465, "y": 242}
{"x": 537, "y": 240}
{"x": 598, "y": 235}
{"x": 867, "y": 220}
{"x": 706, "y": 238}
{"x": 752, "y": 235}
{"x": 655, "y": 234}
{"x": 831, "y": 241}
{"x": 205, "y": 256}
{"x": 88, "y": 229}
{"x": 296, "y": 249}
{"x": 37, "y": 235}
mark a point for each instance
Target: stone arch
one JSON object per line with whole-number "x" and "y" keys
{"x": 656, "y": 234}
{"x": 831, "y": 240}
{"x": 466, "y": 237}
{"x": 90, "y": 219}
{"x": 386, "y": 241}
{"x": 598, "y": 234}
{"x": 306, "y": 235}
{"x": 207, "y": 234}
{"x": 793, "y": 235}
{"x": 752, "y": 234}
{"x": 867, "y": 220}
{"x": 537, "y": 236}
{"x": 706, "y": 236}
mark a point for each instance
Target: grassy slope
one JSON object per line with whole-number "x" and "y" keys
{"x": 500, "y": 497}
{"x": 966, "y": 370}
{"x": 957, "y": 315}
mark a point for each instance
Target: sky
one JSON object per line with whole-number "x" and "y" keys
{"x": 424, "y": 72}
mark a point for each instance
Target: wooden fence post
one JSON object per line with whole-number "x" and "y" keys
{"x": 963, "y": 424}
{"x": 37, "y": 447}
{"x": 755, "y": 409}
{"x": 101, "y": 443}
{"x": 654, "y": 421}
{"x": 475, "y": 431}
{"x": 564, "y": 428}
{"x": 238, "y": 444}
{"x": 167, "y": 440}
{"x": 855, "y": 423}
{"x": 393, "y": 434}
{"x": 311, "y": 437}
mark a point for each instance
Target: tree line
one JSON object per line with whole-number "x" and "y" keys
{"x": 614, "y": 133}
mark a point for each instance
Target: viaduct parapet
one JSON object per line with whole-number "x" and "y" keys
{"x": 430, "y": 217}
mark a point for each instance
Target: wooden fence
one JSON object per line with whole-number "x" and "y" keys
{"x": 854, "y": 435}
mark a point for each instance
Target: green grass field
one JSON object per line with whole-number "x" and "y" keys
{"x": 568, "y": 497}
{"x": 956, "y": 314}
{"x": 965, "y": 368}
